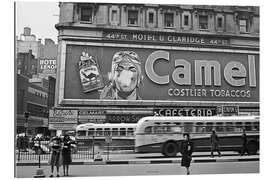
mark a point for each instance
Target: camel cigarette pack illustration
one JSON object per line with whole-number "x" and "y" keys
{"x": 90, "y": 76}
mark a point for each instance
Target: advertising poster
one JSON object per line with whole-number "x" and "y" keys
{"x": 176, "y": 75}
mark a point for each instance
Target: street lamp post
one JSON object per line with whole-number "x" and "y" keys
{"x": 40, "y": 171}
{"x": 26, "y": 116}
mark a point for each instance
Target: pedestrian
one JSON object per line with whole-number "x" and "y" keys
{"x": 55, "y": 159}
{"x": 66, "y": 154}
{"x": 186, "y": 151}
{"x": 214, "y": 143}
{"x": 244, "y": 148}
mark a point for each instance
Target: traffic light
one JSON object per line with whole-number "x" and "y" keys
{"x": 26, "y": 114}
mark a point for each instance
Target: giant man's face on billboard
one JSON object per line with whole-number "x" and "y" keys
{"x": 126, "y": 77}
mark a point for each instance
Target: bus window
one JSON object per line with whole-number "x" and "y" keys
{"x": 148, "y": 130}
{"x": 238, "y": 127}
{"x": 122, "y": 131}
{"x": 188, "y": 127}
{"x": 115, "y": 132}
{"x": 219, "y": 127}
{"x": 255, "y": 126}
{"x": 167, "y": 129}
{"x": 229, "y": 127}
{"x": 209, "y": 127}
{"x": 107, "y": 132}
{"x": 158, "y": 129}
{"x": 130, "y": 132}
{"x": 81, "y": 133}
{"x": 99, "y": 132}
{"x": 248, "y": 126}
{"x": 176, "y": 129}
{"x": 91, "y": 132}
{"x": 199, "y": 128}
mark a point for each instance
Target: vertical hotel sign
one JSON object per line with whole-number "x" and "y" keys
{"x": 63, "y": 119}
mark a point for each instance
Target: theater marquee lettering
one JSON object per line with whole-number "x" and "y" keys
{"x": 165, "y": 38}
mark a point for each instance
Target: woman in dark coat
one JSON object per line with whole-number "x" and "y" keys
{"x": 55, "y": 156}
{"x": 186, "y": 151}
{"x": 66, "y": 154}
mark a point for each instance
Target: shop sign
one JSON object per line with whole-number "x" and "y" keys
{"x": 47, "y": 66}
{"x": 186, "y": 111}
{"x": 62, "y": 126}
{"x": 63, "y": 113}
{"x": 124, "y": 118}
{"x": 91, "y": 112}
{"x": 176, "y": 39}
{"x": 230, "y": 110}
{"x": 63, "y": 116}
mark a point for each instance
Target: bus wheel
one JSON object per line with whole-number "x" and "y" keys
{"x": 170, "y": 149}
{"x": 252, "y": 147}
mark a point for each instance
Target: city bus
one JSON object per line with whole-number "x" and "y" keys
{"x": 157, "y": 134}
{"x": 121, "y": 135}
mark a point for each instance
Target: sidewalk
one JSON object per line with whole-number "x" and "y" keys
{"x": 153, "y": 158}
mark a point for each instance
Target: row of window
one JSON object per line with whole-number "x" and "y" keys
{"x": 203, "y": 128}
{"x": 107, "y": 132}
{"x": 133, "y": 19}
{"x": 36, "y": 110}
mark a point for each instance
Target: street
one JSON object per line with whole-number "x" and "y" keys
{"x": 150, "y": 164}
{"x": 146, "y": 169}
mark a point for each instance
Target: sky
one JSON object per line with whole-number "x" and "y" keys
{"x": 41, "y": 17}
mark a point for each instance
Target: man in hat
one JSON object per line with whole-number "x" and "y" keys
{"x": 125, "y": 77}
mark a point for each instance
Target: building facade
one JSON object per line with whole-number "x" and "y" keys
{"x": 35, "y": 98}
{"x": 189, "y": 60}
{"x": 26, "y": 64}
{"x": 45, "y": 55}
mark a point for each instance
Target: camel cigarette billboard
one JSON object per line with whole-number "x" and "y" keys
{"x": 151, "y": 74}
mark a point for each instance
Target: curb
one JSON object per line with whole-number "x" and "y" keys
{"x": 91, "y": 162}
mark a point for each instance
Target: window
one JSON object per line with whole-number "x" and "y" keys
{"x": 229, "y": 127}
{"x": 91, "y": 132}
{"x": 114, "y": 131}
{"x": 219, "y": 22}
{"x": 168, "y": 19}
{"x": 199, "y": 127}
{"x": 99, "y": 132}
{"x": 219, "y": 127}
{"x": 176, "y": 129}
{"x": 130, "y": 132}
{"x": 209, "y": 127}
{"x": 158, "y": 129}
{"x": 203, "y": 22}
{"x": 122, "y": 131}
{"x": 186, "y": 20}
{"x": 255, "y": 126}
{"x": 133, "y": 17}
{"x": 248, "y": 126}
{"x": 86, "y": 14}
{"x": 238, "y": 127}
{"x": 148, "y": 130}
{"x": 151, "y": 17}
{"x": 107, "y": 132}
{"x": 81, "y": 133}
{"x": 243, "y": 25}
{"x": 114, "y": 15}
{"x": 188, "y": 126}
